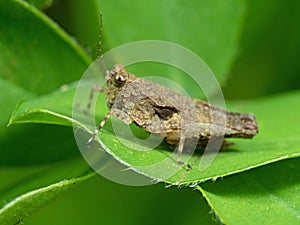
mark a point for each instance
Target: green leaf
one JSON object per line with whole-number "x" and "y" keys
{"x": 210, "y": 28}
{"x": 10, "y": 97}
{"x": 29, "y": 202}
{"x": 36, "y": 61}
{"x": 41, "y": 4}
{"x": 266, "y": 195}
{"x": 15, "y": 142}
{"x": 191, "y": 210}
{"x": 80, "y": 19}
{"x": 39, "y": 186}
{"x": 59, "y": 100}
{"x": 36, "y": 56}
{"x": 274, "y": 142}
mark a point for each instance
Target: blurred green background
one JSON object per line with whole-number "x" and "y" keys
{"x": 266, "y": 62}
{"x": 268, "y": 56}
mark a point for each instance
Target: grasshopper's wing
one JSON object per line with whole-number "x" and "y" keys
{"x": 155, "y": 115}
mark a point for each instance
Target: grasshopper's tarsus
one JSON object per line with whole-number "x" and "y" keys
{"x": 189, "y": 167}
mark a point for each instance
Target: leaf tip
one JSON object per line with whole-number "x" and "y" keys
{"x": 9, "y": 123}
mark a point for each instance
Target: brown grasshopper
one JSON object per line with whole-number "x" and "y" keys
{"x": 164, "y": 112}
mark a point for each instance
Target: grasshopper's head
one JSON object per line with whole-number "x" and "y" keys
{"x": 117, "y": 76}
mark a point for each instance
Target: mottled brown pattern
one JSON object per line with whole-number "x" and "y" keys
{"x": 162, "y": 111}
{"x": 181, "y": 120}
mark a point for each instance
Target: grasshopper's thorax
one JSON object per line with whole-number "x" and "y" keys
{"x": 115, "y": 81}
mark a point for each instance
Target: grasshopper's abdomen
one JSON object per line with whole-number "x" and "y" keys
{"x": 242, "y": 125}
{"x": 225, "y": 123}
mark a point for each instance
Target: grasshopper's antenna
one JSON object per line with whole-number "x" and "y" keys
{"x": 100, "y": 35}
{"x": 99, "y": 48}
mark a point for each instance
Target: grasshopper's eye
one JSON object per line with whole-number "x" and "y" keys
{"x": 120, "y": 78}
{"x": 119, "y": 75}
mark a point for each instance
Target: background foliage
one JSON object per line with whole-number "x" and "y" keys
{"x": 252, "y": 47}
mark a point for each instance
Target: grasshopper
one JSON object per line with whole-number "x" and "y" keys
{"x": 164, "y": 112}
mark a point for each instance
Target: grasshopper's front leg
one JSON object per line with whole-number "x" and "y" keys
{"x": 101, "y": 124}
{"x": 112, "y": 112}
